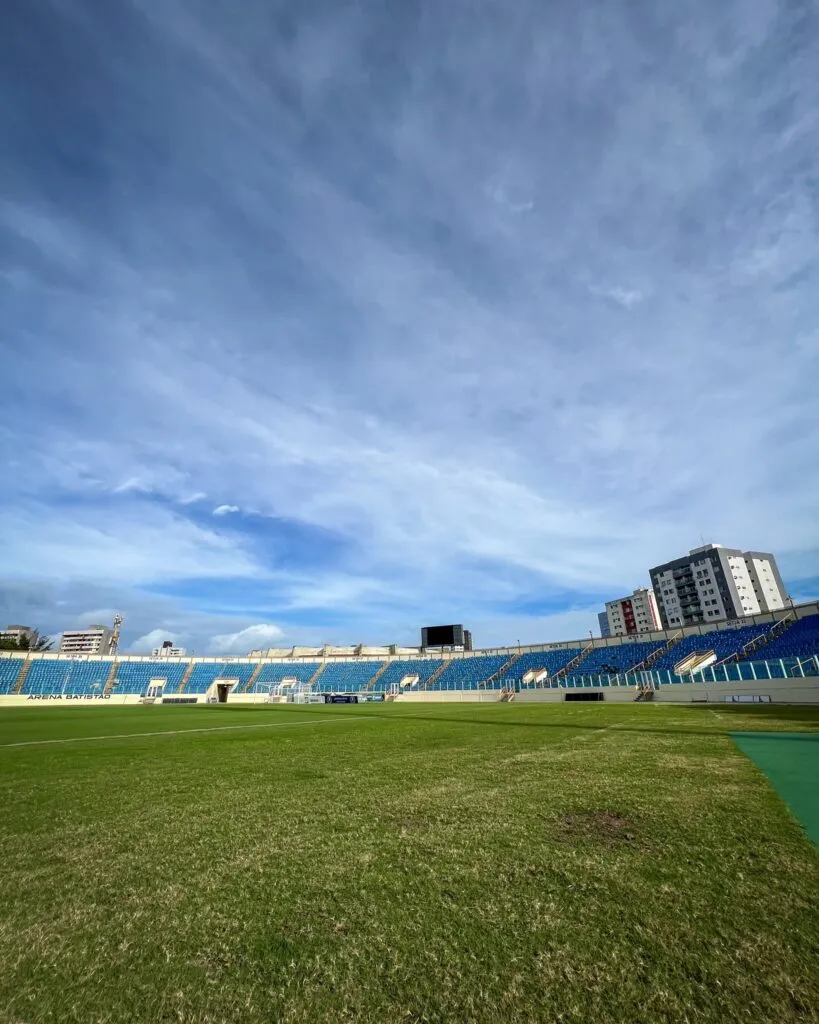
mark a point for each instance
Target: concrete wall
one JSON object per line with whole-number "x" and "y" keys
{"x": 444, "y": 696}
{"x": 781, "y": 691}
{"x": 611, "y": 695}
{"x": 80, "y": 701}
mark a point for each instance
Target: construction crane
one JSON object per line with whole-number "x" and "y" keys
{"x": 115, "y": 636}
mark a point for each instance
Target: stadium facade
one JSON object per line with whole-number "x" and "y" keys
{"x": 768, "y": 657}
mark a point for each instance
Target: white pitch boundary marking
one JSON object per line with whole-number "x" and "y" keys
{"x": 314, "y": 720}
{"x": 181, "y": 732}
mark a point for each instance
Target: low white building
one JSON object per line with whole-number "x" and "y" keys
{"x": 18, "y": 634}
{"x": 167, "y": 650}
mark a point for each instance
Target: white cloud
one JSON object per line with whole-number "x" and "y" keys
{"x": 150, "y": 641}
{"x": 434, "y": 387}
{"x": 142, "y": 544}
{"x": 98, "y": 616}
{"x": 245, "y": 640}
{"x": 133, "y": 483}
{"x": 625, "y": 296}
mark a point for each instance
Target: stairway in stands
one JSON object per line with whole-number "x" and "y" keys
{"x": 315, "y": 675}
{"x": 368, "y": 686}
{"x": 487, "y": 684}
{"x": 112, "y": 676}
{"x": 646, "y": 663}
{"x": 777, "y": 629}
{"x": 186, "y": 677}
{"x": 252, "y": 681}
{"x": 21, "y": 678}
{"x": 572, "y": 665}
{"x": 436, "y": 675}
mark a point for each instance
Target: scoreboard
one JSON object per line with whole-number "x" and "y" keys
{"x": 446, "y": 636}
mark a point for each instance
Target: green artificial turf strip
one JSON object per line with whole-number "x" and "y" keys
{"x": 405, "y": 862}
{"x": 791, "y": 762}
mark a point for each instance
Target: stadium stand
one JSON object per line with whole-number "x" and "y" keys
{"x": 9, "y": 672}
{"x": 723, "y": 642}
{"x": 780, "y": 656}
{"x": 469, "y": 673}
{"x": 275, "y": 673}
{"x": 135, "y": 676}
{"x": 801, "y": 640}
{"x": 66, "y": 676}
{"x": 396, "y": 670}
{"x": 616, "y": 659}
{"x": 552, "y": 661}
{"x": 204, "y": 673}
{"x": 346, "y": 676}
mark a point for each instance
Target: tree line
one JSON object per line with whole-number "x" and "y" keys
{"x": 36, "y": 642}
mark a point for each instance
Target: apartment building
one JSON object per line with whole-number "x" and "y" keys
{"x": 712, "y": 583}
{"x": 636, "y": 613}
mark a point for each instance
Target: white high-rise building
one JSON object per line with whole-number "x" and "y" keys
{"x": 94, "y": 640}
{"x": 712, "y": 583}
{"x": 634, "y": 614}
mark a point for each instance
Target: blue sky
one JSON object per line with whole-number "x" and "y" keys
{"x": 324, "y": 321}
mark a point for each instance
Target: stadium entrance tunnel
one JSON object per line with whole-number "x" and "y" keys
{"x": 222, "y": 691}
{"x": 584, "y": 696}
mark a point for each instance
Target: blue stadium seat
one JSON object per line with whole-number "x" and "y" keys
{"x": 724, "y": 642}
{"x": 135, "y": 676}
{"x": 66, "y": 675}
{"x": 9, "y": 671}
{"x": 204, "y": 673}
{"x": 469, "y": 673}
{"x": 345, "y": 676}
{"x": 424, "y": 668}
{"x": 621, "y": 657}
{"x": 274, "y": 673}
{"x": 801, "y": 640}
{"x": 552, "y": 661}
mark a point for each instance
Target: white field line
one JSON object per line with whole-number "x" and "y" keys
{"x": 179, "y": 732}
{"x": 314, "y": 720}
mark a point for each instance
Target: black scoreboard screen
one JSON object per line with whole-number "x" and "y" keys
{"x": 445, "y": 636}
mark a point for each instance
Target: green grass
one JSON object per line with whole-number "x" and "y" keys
{"x": 401, "y": 863}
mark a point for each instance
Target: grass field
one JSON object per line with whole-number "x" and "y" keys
{"x": 491, "y": 863}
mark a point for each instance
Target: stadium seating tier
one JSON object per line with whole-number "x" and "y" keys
{"x": 9, "y": 673}
{"x": 724, "y": 643}
{"x": 67, "y": 676}
{"x": 134, "y": 677}
{"x": 70, "y": 676}
{"x": 801, "y": 640}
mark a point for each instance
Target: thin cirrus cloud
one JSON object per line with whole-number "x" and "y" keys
{"x": 498, "y": 321}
